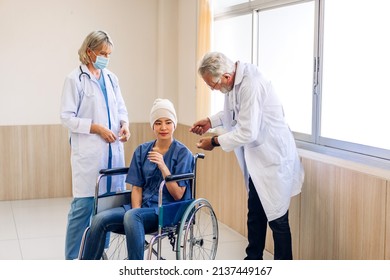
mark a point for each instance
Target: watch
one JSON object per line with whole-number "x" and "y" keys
{"x": 213, "y": 143}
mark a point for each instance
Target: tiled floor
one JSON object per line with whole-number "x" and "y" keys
{"x": 35, "y": 230}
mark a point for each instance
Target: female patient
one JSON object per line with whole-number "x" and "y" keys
{"x": 151, "y": 162}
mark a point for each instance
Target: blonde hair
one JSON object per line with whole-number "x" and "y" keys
{"x": 93, "y": 41}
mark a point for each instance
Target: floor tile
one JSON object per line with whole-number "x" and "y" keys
{"x": 232, "y": 250}
{"x": 10, "y": 250}
{"x": 48, "y": 248}
{"x": 37, "y": 219}
{"x": 8, "y": 227}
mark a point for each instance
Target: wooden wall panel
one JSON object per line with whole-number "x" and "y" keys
{"x": 342, "y": 214}
{"x": 140, "y": 133}
{"x": 34, "y": 162}
{"x": 11, "y": 152}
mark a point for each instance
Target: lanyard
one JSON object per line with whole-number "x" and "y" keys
{"x": 109, "y": 165}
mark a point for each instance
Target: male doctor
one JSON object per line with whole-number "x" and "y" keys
{"x": 264, "y": 146}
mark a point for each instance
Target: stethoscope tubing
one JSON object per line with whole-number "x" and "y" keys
{"x": 83, "y": 73}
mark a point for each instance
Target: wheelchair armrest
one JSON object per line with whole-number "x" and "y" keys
{"x": 180, "y": 177}
{"x": 172, "y": 178}
{"x": 114, "y": 171}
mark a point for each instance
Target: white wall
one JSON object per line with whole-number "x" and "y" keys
{"x": 39, "y": 44}
{"x": 154, "y": 54}
{"x": 187, "y": 64}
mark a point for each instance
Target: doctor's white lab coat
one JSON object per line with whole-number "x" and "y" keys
{"x": 263, "y": 143}
{"x": 82, "y": 104}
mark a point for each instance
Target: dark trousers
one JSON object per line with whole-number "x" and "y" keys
{"x": 257, "y": 229}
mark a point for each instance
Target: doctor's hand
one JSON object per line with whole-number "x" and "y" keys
{"x": 201, "y": 127}
{"x": 124, "y": 133}
{"x": 205, "y": 144}
{"x": 104, "y": 132}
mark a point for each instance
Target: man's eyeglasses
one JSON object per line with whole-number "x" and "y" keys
{"x": 216, "y": 83}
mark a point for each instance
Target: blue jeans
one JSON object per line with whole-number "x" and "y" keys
{"x": 102, "y": 223}
{"x": 135, "y": 223}
{"x": 79, "y": 218}
{"x": 257, "y": 230}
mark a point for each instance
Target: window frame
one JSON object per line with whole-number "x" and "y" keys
{"x": 314, "y": 142}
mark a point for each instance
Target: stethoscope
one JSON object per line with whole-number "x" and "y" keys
{"x": 109, "y": 122}
{"x": 89, "y": 76}
{"x": 83, "y": 73}
{"x": 234, "y": 121}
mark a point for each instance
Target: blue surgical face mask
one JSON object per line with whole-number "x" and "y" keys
{"x": 101, "y": 62}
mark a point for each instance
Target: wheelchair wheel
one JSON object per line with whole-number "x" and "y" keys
{"x": 197, "y": 238}
{"x": 116, "y": 249}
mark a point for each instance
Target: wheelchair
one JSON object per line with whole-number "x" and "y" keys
{"x": 190, "y": 226}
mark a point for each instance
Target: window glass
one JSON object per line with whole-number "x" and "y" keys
{"x": 285, "y": 53}
{"x": 355, "y": 91}
{"x": 233, "y": 37}
{"x": 349, "y": 45}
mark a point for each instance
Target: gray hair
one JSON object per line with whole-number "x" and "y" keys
{"x": 93, "y": 41}
{"x": 216, "y": 64}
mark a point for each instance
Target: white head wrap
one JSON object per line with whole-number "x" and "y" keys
{"x": 162, "y": 108}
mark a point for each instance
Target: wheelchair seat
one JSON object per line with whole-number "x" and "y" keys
{"x": 172, "y": 213}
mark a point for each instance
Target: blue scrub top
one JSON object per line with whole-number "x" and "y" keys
{"x": 145, "y": 174}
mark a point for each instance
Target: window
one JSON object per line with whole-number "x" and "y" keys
{"x": 285, "y": 55}
{"x": 355, "y": 91}
{"x": 329, "y": 67}
{"x": 237, "y": 47}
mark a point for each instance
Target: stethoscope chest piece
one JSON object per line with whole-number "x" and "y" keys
{"x": 234, "y": 121}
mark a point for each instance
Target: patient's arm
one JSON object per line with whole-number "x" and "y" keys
{"x": 174, "y": 189}
{"x": 136, "y": 197}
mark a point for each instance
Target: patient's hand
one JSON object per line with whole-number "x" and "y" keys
{"x": 155, "y": 157}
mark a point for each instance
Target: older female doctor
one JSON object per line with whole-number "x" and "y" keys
{"x": 264, "y": 146}
{"x": 93, "y": 110}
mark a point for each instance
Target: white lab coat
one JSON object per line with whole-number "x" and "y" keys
{"x": 82, "y": 104}
{"x": 262, "y": 141}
